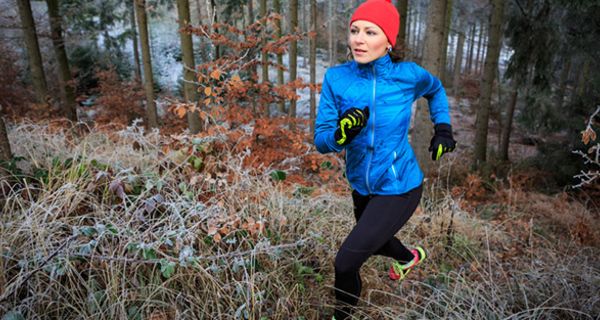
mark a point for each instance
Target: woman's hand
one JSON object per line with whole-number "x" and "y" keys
{"x": 442, "y": 141}
{"x": 350, "y": 124}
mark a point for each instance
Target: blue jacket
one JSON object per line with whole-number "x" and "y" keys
{"x": 379, "y": 160}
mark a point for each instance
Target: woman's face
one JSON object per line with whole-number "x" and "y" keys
{"x": 367, "y": 41}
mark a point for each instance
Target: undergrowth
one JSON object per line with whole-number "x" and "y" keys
{"x": 136, "y": 225}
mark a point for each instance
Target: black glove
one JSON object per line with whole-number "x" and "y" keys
{"x": 442, "y": 141}
{"x": 350, "y": 124}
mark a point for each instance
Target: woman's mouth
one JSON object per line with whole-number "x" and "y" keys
{"x": 359, "y": 51}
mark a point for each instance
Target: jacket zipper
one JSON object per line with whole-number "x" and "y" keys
{"x": 372, "y": 129}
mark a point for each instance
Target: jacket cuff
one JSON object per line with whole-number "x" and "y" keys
{"x": 443, "y": 129}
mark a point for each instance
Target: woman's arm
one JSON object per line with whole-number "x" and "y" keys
{"x": 327, "y": 119}
{"x": 431, "y": 88}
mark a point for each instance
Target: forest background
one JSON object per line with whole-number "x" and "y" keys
{"x": 156, "y": 161}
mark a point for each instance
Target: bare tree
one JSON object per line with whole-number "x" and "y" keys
{"x": 280, "y": 79}
{"x": 507, "y": 123}
{"x": 33, "y": 50}
{"x": 5, "y": 152}
{"x": 480, "y": 44}
{"x": 432, "y": 59}
{"x": 489, "y": 74}
{"x": 313, "y": 62}
{"x": 447, "y": 25}
{"x": 151, "y": 114}
{"x": 330, "y": 33}
{"x": 265, "y": 55}
{"x": 293, "y": 51}
{"x": 402, "y": 6}
{"x": 134, "y": 39}
{"x": 564, "y": 77}
{"x": 458, "y": 59}
{"x": 469, "y": 67}
{"x": 69, "y": 107}
{"x": 187, "y": 51}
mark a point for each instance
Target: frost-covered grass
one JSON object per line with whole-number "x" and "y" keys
{"x": 111, "y": 227}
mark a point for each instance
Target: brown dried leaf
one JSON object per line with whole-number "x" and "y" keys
{"x": 216, "y": 74}
{"x": 224, "y": 230}
{"x": 212, "y": 230}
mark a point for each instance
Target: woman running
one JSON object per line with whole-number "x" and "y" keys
{"x": 365, "y": 108}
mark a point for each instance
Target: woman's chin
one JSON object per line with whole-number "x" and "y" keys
{"x": 361, "y": 59}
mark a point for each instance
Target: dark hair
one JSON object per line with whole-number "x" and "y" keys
{"x": 398, "y": 53}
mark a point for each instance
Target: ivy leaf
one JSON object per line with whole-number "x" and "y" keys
{"x": 13, "y": 315}
{"x": 167, "y": 268}
{"x": 134, "y": 313}
{"x": 197, "y": 163}
{"x": 88, "y": 231}
{"x": 112, "y": 229}
{"x": 278, "y": 175}
{"x": 326, "y": 165}
{"x": 149, "y": 253}
{"x": 133, "y": 247}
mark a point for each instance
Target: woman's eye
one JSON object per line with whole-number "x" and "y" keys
{"x": 353, "y": 31}
{"x": 371, "y": 33}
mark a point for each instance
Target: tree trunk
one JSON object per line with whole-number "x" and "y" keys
{"x": 313, "y": 63}
{"x": 489, "y": 74}
{"x": 305, "y": 8}
{"x": 408, "y": 41}
{"x": 187, "y": 52}
{"x": 507, "y": 124}
{"x": 64, "y": 73}
{"x": 434, "y": 41}
{"x": 584, "y": 77}
{"x": 199, "y": 11}
{"x": 134, "y": 38}
{"x": 456, "y": 85}
{"x": 469, "y": 67}
{"x": 419, "y": 41}
{"x": 335, "y": 31}
{"x": 252, "y": 56}
{"x": 447, "y": 25}
{"x": 480, "y": 43}
{"x": 330, "y": 24}
{"x": 215, "y": 19}
{"x": 36, "y": 65}
{"x": 280, "y": 78}
{"x": 293, "y": 53}
{"x": 402, "y": 6}
{"x": 151, "y": 114}
{"x": 564, "y": 77}
{"x": 264, "y": 55}
{"x": 5, "y": 152}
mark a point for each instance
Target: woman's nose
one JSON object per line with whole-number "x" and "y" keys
{"x": 357, "y": 38}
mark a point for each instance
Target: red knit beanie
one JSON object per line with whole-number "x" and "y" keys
{"x": 382, "y": 13}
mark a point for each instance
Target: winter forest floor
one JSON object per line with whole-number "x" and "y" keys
{"x": 244, "y": 220}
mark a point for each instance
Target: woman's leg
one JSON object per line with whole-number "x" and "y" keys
{"x": 393, "y": 248}
{"x": 378, "y": 222}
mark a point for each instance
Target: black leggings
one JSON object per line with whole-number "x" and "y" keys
{"x": 378, "y": 219}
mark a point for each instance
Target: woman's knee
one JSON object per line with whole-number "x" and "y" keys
{"x": 348, "y": 261}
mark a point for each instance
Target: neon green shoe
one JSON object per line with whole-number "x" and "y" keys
{"x": 399, "y": 271}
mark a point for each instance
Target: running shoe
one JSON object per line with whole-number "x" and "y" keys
{"x": 398, "y": 271}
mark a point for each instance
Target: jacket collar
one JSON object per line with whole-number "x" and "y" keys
{"x": 379, "y": 67}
